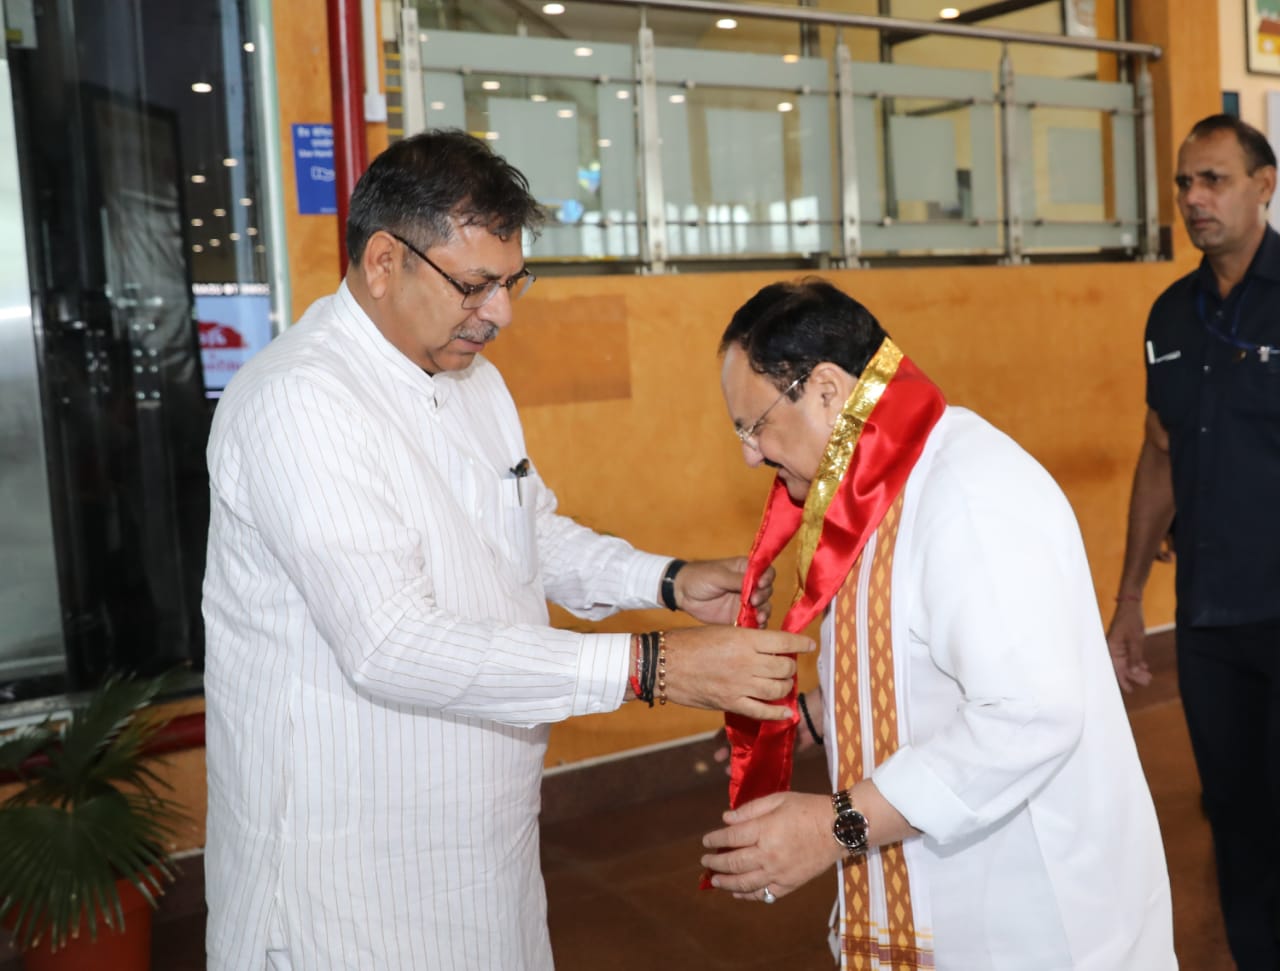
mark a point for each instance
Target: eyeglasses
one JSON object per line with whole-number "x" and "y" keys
{"x": 474, "y": 295}
{"x": 748, "y": 435}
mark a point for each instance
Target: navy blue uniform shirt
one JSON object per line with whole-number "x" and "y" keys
{"x": 1213, "y": 377}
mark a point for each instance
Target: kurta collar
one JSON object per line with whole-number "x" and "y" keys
{"x": 360, "y": 326}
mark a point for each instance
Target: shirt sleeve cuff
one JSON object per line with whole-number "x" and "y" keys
{"x": 641, "y": 579}
{"x": 603, "y": 668}
{"x": 925, "y": 801}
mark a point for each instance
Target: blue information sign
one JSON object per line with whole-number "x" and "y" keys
{"x": 313, "y": 165}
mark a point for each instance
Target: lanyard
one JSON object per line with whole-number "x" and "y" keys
{"x": 1263, "y": 351}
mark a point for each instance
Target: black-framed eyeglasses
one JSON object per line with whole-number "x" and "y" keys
{"x": 748, "y": 435}
{"x": 474, "y": 295}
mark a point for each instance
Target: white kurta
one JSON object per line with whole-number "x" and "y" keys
{"x": 1041, "y": 848}
{"x": 379, "y": 672}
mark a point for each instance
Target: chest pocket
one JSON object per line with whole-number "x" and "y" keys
{"x": 1255, "y": 388}
{"x": 518, "y": 504}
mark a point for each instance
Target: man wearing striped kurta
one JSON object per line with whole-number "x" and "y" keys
{"x": 380, "y": 674}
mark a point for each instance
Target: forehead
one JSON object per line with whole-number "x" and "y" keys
{"x": 1219, "y": 150}
{"x": 743, "y": 387}
{"x": 474, "y": 248}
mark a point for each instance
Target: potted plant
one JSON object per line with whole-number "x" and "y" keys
{"x": 83, "y": 839}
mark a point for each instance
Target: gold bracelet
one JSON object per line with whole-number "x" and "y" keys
{"x": 662, "y": 667}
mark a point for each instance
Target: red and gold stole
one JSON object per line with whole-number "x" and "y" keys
{"x": 873, "y": 447}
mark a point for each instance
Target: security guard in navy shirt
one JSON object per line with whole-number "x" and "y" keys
{"x": 1210, "y": 470}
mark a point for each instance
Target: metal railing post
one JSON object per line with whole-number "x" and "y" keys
{"x": 653, "y": 226}
{"x": 850, "y": 243}
{"x": 1010, "y": 163}
{"x": 1148, "y": 191}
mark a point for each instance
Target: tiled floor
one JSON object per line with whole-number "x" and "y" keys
{"x": 622, "y": 885}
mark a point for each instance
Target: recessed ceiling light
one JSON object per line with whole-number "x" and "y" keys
{"x": 948, "y": 13}
{"x": 790, "y": 58}
{"x": 230, "y": 163}
{"x": 219, "y": 212}
{"x": 553, "y": 9}
{"x": 197, "y": 222}
{"x": 726, "y": 23}
{"x": 197, "y": 248}
{"x": 785, "y": 106}
{"x": 582, "y": 52}
{"x": 215, "y": 242}
{"x": 491, "y": 136}
{"x": 197, "y": 178}
{"x": 564, "y": 113}
{"x": 233, "y": 236}
{"x": 676, "y": 99}
{"x": 252, "y": 231}
{"x": 491, "y": 85}
{"x": 624, "y": 95}
{"x": 202, "y": 87}
{"x": 604, "y": 143}
{"x": 248, "y": 47}
{"x": 539, "y": 98}
{"x": 246, "y": 201}
{"x": 437, "y": 106}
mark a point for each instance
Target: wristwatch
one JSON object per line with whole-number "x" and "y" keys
{"x": 850, "y": 827}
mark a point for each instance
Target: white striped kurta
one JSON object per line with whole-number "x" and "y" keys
{"x": 379, "y": 673}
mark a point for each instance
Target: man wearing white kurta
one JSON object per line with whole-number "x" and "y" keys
{"x": 380, "y": 672}
{"x": 1024, "y": 818}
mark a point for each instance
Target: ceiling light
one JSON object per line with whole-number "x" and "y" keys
{"x": 233, "y": 236}
{"x": 539, "y": 98}
{"x": 491, "y": 136}
{"x": 623, "y": 95}
{"x": 437, "y": 106}
{"x": 726, "y": 23}
{"x": 553, "y": 9}
{"x": 230, "y": 163}
{"x": 197, "y": 248}
{"x": 202, "y": 87}
{"x": 604, "y": 143}
{"x": 564, "y": 113}
{"x": 197, "y": 222}
{"x": 219, "y": 212}
{"x": 248, "y": 47}
{"x": 582, "y": 52}
{"x": 790, "y": 58}
{"x": 215, "y": 242}
{"x": 491, "y": 85}
{"x": 948, "y": 13}
{"x": 676, "y": 99}
{"x": 197, "y": 178}
{"x": 252, "y": 231}
{"x": 246, "y": 201}
{"x": 785, "y": 106}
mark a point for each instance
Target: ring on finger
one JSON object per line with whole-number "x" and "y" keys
{"x": 768, "y": 896}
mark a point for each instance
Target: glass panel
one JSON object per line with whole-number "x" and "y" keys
{"x": 142, "y": 193}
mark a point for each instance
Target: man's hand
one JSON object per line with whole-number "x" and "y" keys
{"x": 781, "y": 841}
{"x": 711, "y": 590}
{"x": 733, "y": 669}
{"x": 1126, "y": 639}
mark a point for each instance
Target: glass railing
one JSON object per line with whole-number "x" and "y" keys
{"x": 665, "y": 142}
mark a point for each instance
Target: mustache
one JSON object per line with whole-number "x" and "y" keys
{"x": 770, "y": 463}
{"x": 480, "y": 335}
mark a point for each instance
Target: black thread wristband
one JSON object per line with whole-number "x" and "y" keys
{"x": 668, "y": 588}
{"x": 808, "y": 719}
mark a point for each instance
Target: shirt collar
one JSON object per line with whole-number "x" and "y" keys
{"x": 1265, "y": 264}
{"x": 437, "y": 388}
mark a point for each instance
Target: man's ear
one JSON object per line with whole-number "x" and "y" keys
{"x": 831, "y": 386}
{"x": 378, "y": 263}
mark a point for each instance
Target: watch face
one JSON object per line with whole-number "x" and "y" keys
{"x": 850, "y": 829}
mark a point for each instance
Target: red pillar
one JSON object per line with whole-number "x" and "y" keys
{"x": 350, "y": 155}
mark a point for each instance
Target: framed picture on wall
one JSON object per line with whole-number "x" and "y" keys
{"x": 1262, "y": 35}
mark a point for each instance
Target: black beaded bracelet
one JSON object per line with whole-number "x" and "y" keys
{"x": 808, "y": 719}
{"x": 668, "y": 588}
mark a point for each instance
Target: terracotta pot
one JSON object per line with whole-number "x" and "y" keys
{"x": 128, "y": 949}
